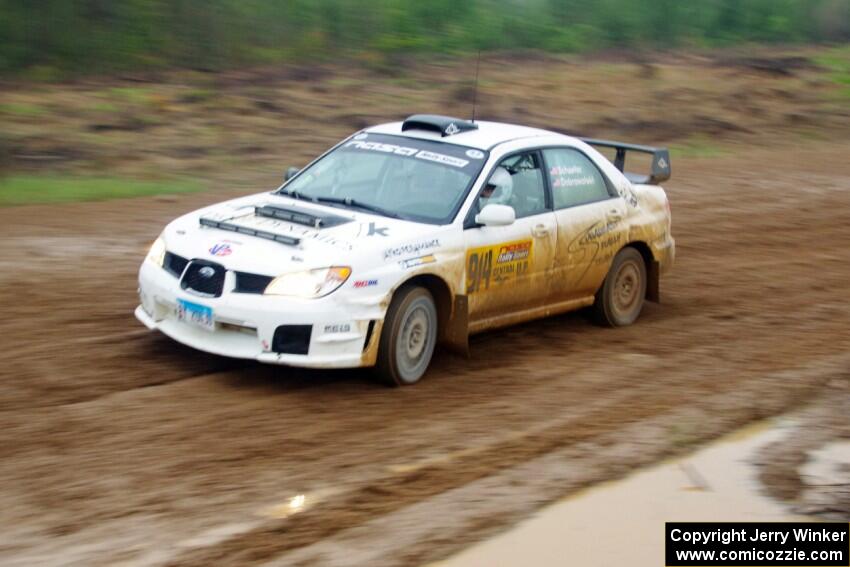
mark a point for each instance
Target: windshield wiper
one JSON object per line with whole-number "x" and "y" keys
{"x": 294, "y": 194}
{"x": 349, "y": 202}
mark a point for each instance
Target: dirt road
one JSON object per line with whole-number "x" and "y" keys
{"x": 121, "y": 446}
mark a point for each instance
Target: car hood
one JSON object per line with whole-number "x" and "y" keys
{"x": 272, "y": 234}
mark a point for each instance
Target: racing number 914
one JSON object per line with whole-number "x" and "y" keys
{"x": 511, "y": 262}
{"x": 478, "y": 269}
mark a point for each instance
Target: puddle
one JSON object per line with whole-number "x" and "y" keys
{"x": 45, "y": 248}
{"x": 622, "y": 522}
{"x": 828, "y": 465}
{"x": 826, "y": 480}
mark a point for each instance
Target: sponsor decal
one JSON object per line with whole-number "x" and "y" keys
{"x": 497, "y": 264}
{"x": 474, "y": 154}
{"x": 596, "y": 231}
{"x": 221, "y": 249}
{"x": 338, "y": 328}
{"x": 365, "y": 283}
{"x": 285, "y": 228}
{"x": 594, "y": 246}
{"x": 407, "y": 152}
{"x": 373, "y": 230}
{"x": 444, "y": 159}
{"x": 514, "y": 252}
{"x": 565, "y": 170}
{"x": 608, "y": 248}
{"x": 420, "y": 261}
{"x": 381, "y": 147}
{"x": 413, "y": 248}
{"x": 569, "y": 176}
{"x": 629, "y": 196}
{"x": 361, "y": 136}
{"x": 452, "y": 129}
{"x": 573, "y": 181}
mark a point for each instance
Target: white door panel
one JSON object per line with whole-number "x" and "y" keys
{"x": 588, "y": 238}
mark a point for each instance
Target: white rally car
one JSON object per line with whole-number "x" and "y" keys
{"x": 410, "y": 234}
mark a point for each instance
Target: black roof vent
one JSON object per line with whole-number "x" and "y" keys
{"x": 445, "y": 125}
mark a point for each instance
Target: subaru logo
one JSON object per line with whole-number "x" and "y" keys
{"x": 206, "y": 272}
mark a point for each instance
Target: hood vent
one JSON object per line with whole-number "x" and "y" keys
{"x": 300, "y": 216}
{"x": 233, "y": 227}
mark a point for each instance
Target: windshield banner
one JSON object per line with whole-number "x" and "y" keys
{"x": 451, "y": 155}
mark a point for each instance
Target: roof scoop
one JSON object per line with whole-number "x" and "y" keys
{"x": 445, "y": 125}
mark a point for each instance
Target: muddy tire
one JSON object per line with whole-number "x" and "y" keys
{"x": 408, "y": 337}
{"x": 620, "y": 299}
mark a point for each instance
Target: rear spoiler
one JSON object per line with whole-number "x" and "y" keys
{"x": 660, "y": 170}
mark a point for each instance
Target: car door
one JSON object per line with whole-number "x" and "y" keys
{"x": 507, "y": 267}
{"x": 591, "y": 219}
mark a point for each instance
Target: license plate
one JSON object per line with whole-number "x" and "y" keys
{"x": 195, "y": 314}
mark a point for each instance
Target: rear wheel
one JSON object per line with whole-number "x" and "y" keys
{"x": 408, "y": 338}
{"x": 620, "y": 299}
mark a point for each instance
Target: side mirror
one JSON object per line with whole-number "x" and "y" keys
{"x": 496, "y": 215}
{"x": 290, "y": 173}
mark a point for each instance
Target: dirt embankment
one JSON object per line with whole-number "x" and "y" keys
{"x": 218, "y": 126}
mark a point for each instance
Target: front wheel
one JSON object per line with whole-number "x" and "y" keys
{"x": 408, "y": 338}
{"x": 620, "y": 299}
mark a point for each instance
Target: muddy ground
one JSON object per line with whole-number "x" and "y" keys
{"x": 119, "y": 446}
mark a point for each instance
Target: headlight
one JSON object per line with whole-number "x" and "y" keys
{"x": 157, "y": 252}
{"x": 309, "y": 284}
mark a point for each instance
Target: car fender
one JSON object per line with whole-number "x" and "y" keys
{"x": 444, "y": 279}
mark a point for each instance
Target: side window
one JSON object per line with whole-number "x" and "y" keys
{"x": 518, "y": 182}
{"x": 575, "y": 179}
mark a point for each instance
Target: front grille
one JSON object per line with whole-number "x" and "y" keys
{"x": 206, "y": 278}
{"x": 251, "y": 283}
{"x": 174, "y": 264}
{"x": 292, "y": 339}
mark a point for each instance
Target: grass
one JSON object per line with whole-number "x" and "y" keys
{"x": 837, "y": 61}
{"x": 38, "y": 189}
{"x": 198, "y": 94}
{"x": 106, "y": 107}
{"x": 21, "y": 109}
{"x": 140, "y": 96}
{"x": 696, "y": 147}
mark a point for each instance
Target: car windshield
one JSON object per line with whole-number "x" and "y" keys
{"x": 408, "y": 178}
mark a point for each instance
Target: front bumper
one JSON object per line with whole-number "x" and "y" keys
{"x": 245, "y": 324}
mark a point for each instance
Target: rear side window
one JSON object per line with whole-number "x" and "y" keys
{"x": 574, "y": 178}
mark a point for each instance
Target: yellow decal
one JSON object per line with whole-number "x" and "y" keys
{"x": 497, "y": 264}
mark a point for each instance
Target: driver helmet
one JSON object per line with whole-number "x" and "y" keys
{"x": 499, "y": 188}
